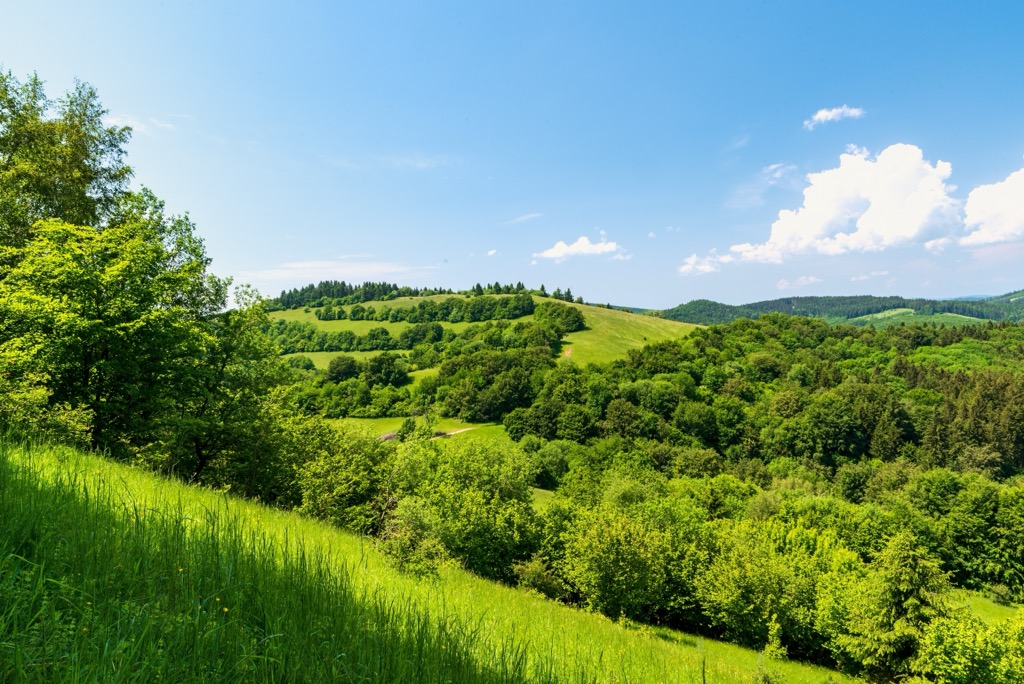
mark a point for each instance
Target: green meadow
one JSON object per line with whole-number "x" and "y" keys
{"x": 609, "y": 335}
{"x": 112, "y": 574}
{"x": 890, "y": 317}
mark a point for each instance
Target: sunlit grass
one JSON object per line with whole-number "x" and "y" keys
{"x": 611, "y": 333}
{"x": 501, "y": 627}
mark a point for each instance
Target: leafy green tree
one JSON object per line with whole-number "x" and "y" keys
{"x": 119, "y": 312}
{"x": 385, "y": 368}
{"x": 342, "y": 478}
{"x": 889, "y": 614}
{"x": 342, "y": 367}
{"x": 58, "y": 160}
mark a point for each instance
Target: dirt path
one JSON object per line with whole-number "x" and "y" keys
{"x": 453, "y": 432}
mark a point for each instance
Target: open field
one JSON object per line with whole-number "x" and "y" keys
{"x": 610, "y": 333}
{"x": 884, "y": 319}
{"x": 493, "y": 632}
{"x": 357, "y": 327}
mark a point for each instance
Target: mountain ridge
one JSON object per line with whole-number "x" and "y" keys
{"x": 854, "y": 308}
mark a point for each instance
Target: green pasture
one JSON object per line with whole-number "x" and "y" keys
{"x": 611, "y": 333}
{"x": 884, "y": 319}
{"x": 357, "y": 327}
{"x": 454, "y": 628}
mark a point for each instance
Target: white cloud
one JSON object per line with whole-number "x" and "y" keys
{"x": 995, "y": 213}
{"x": 802, "y": 281}
{"x": 582, "y": 247}
{"x": 863, "y": 205}
{"x": 524, "y": 218}
{"x": 652, "y": 234}
{"x": 868, "y": 276}
{"x": 835, "y": 114}
{"x": 492, "y": 252}
{"x": 695, "y": 265}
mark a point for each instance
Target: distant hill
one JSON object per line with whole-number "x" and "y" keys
{"x": 609, "y": 334}
{"x": 859, "y": 310}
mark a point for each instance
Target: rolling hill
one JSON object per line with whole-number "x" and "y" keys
{"x": 610, "y": 333}
{"x": 859, "y": 310}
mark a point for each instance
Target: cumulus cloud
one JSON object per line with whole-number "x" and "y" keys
{"x": 524, "y": 218}
{"x": 802, "y": 281}
{"x": 995, "y": 213}
{"x": 862, "y": 205}
{"x": 823, "y": 116}
{"x": 582, "y": 247}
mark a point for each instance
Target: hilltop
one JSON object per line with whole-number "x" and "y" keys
{"x": 859, "y": 309}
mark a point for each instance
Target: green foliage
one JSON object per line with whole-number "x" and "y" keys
{"x": 893, "y": 607}
{"x": 340, "y": 478}
{"x": 564, "y": 318}
{"x": 58, "y": 160}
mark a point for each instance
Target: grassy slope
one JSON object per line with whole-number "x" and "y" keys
{"x": 567, "y": 640}
{"x": 884, "y": 319}
{"x": 611, "y": 333}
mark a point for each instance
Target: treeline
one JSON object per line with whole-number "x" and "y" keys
{"x": 337, "y": 293}
{"x": 706, "y": 312}
{"x": 340, "y": 293}
{"x": 450, "y": 310}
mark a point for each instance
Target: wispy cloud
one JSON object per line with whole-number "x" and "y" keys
{"x": 868, "y": 276}
{"x": 582, "y": 247}
{"x": 738, "y": 142}
{"x": 751, "y": 194}
{"x": 348, "y": 267}
{"x": 415, "y": 161}
{"x": 802, "y": 281}
{"x": 524, "y": 218}
{"x": 823, "y": 116}
{"x": 145, "y": 126}
{"x": 492, "y": 252}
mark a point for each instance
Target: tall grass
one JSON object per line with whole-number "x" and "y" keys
{"x": 94, "y": 587}
{"x": 108, "y": 573}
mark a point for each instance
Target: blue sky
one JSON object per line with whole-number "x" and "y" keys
{"x": 640, "y": 153}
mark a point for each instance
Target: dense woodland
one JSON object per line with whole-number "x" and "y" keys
{"x": 1009, "y": 307}
{"x": 810, "y": 490}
